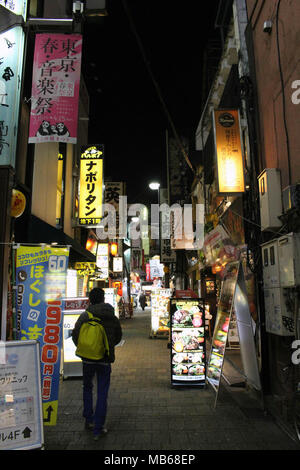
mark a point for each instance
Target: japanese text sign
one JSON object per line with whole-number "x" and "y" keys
{"x": 18, "y": 7}
{"x": 229, "y": 151}
{"x": 21, "y": 425}
{"x": 11, "y": 59}
{"x": 91, "y": 186}
{"x": 41, "y": 285}
{"x": 55, "y": 88}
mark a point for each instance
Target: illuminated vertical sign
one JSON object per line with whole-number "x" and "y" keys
{"x": 230, "y": 164}
{"x": 91, "y": 185}
{"x": 55, "y": 88}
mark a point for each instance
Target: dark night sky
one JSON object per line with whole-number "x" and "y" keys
{"x": 125, "y": 112}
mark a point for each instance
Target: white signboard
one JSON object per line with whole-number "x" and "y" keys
{"x": 21, "y": 422}
{"x": 118, "y": 264}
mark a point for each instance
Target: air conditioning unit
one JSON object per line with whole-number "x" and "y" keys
{"x": 270, "y": 199}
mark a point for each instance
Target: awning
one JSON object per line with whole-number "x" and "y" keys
{"x": 41, "y": 232}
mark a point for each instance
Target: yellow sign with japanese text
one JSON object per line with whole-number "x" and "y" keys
{"x": 91, "y": 186}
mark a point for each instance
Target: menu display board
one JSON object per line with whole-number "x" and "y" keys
{"x": 160, "y": 315}
{"x": 233, "y": 294}
{"x": 188, "y": 353}
{"x": 215, "y": 363}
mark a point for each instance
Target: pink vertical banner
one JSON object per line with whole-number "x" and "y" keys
{"x": 55, "y": 88}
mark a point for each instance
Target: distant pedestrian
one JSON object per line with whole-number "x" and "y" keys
{"x": 100, "y": 368}
{"x": 142, "y": 300}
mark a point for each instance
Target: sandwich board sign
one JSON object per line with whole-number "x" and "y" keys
{"x": 21, "y": 418}
{"x": 233, "y": 295}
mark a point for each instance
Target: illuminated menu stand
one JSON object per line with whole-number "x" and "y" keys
{"x": 233, "y": 294}
{"x": 71, "y": 364}
{"x": 188, "y": 337}
{"x": 160, "y": 313}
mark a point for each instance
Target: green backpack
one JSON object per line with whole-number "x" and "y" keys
{"x": 92, "y": 341}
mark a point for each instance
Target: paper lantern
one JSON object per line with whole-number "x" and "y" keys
{"x": 18, "y": 203}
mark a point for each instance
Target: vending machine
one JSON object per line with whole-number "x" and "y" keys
{"x": 188, "y": 352}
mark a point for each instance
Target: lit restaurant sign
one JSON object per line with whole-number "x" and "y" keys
{"x": 230, "y": 164}
{"x": 91, "y": 186}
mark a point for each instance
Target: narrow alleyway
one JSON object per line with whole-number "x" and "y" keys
{"x": 145, "y": 413}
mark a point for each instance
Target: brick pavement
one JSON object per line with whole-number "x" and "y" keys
{"x": 145, "y": 413}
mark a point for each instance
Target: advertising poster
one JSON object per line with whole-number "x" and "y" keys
{"x": 21, "y": 425}
{"x": 188, "y": 353}
{"x": 220, "y": 335}
{"x": 41, "y": 273}
{"x": 55, "y": 88}
{"x": 160, "y": 313}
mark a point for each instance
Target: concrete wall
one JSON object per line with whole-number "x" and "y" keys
{"x": 269, "y": 87}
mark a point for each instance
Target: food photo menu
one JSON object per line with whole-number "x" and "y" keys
{"x": 188, "y": 342}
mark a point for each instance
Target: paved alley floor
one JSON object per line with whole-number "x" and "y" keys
{"x": 146, "y": 413}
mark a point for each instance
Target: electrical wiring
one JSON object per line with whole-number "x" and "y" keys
{"x": 156, "y": 86}
{"x": 283, "y": 94}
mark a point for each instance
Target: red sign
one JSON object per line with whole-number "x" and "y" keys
{"x": 185, "y": 294}
{"x": 78, "y": 303}
{"x": 148, "y": 277}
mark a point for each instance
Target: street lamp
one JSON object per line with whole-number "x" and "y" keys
{"x": 155, "y": 186}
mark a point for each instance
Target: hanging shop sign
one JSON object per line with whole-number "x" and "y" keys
{"x": 118, "y": 264}
{"x": 21, "y": 423}
{"x": 113, "y": 191}
{"x": 85, "y": 268}
{"x": 230, "y": 165}
{"x": 233, "y": 295}
{"x": 41, "y": 284}
{"x": 188, "y": 342}
{"x": 91, "y": 186}
{"x": 102, "y": 260}
{"x": 55, "y": 88}
{"x": 11, "y": 65}
{"x": 167, "y": 255}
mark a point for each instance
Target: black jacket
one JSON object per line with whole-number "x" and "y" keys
{"x": 110, "y": 323}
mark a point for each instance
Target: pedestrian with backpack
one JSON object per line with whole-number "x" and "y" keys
{"x": 96, "y": 333}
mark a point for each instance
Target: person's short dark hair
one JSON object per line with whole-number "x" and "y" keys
{"x": 96, "y": 296}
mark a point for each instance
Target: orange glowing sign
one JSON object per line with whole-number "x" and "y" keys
{"x": 230, "y": 163}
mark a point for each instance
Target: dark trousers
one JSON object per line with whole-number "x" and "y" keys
{"x": 102, "y": 373}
